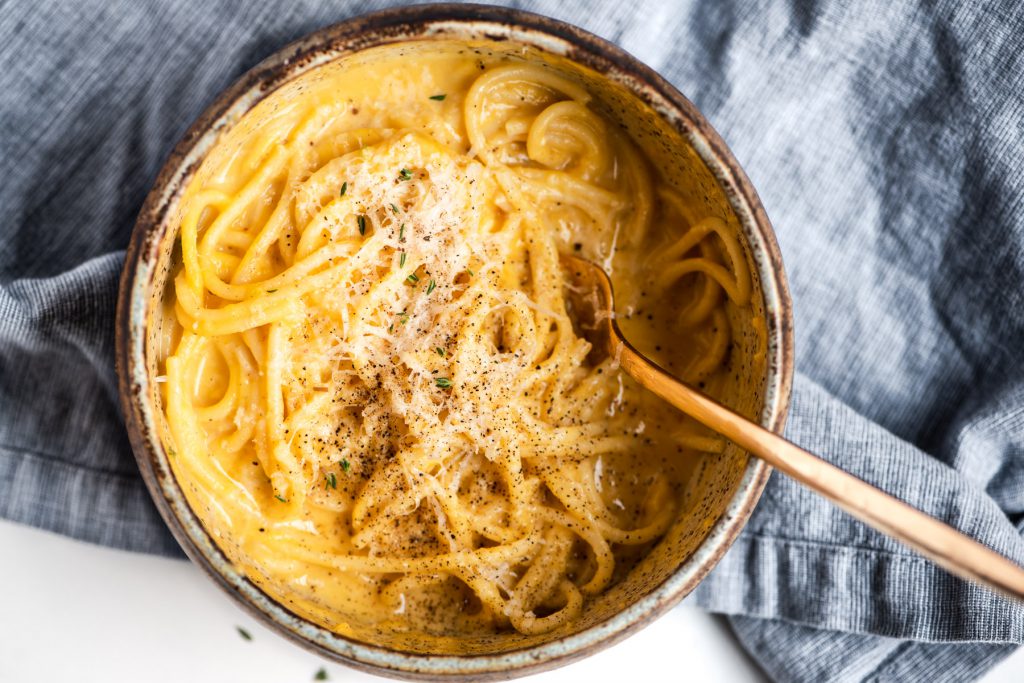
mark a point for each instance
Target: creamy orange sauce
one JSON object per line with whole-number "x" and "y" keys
{"x": 376, "y": 399}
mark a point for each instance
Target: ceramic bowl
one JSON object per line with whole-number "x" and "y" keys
{"x": 724, "y": 489}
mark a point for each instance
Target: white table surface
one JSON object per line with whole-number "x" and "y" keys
{"x": 70, "y": 611}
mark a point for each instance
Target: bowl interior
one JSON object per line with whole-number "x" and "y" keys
{"x": 722, "y": 489}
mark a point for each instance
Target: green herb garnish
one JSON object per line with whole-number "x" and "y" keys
{"x": 431, "y": 286}
{"x": 401, "y": 260}
{"x": 361, "y": 221}
{"x": 332, "y": 480}
{"x": 394, "y": 208}
{"x": 470, "y": 271}
{"x": 413, "y": 278}
{"x": 345, "y": 466}
{"x": 242, "y": 632}
{"x": 321, "y": 675}
{"x": 271, "y": 291}
{"x": 283, "y": 500}
{"x": 344, "y": 189}
{"x": 438, "y": 98}
{"x": 405, "y": 174}
{"x": 401, "y": 232}
{"x": 443, "y": 382}
{"x": 440, "y": 351}
{"x": 403, "y": 317}
{"x": 171, "y": 452}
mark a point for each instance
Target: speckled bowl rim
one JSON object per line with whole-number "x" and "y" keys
{"x": 406, "y": 23}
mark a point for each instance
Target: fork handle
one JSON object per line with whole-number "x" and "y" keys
{"x": 956, "y": 552}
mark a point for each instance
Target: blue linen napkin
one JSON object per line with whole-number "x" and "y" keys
{"x": 887, "y": 142}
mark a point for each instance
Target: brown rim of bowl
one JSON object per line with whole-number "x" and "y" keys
{"x": 390, "y": 26}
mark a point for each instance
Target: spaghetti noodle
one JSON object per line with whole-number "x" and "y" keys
{"x": 375, "y": 396}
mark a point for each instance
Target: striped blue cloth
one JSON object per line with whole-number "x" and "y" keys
{"x": 887, "y": 142}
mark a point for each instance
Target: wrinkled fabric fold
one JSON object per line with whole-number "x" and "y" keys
{"x": 886, "y": 140}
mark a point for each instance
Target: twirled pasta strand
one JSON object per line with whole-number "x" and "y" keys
{"x": 377, "y": 371}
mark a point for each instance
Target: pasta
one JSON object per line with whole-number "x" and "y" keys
{"x": 375, "y": 396}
